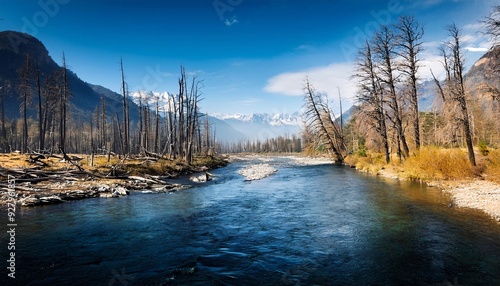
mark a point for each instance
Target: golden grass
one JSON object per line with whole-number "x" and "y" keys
{"x": 492, "y": 169}
{"x": 372, "y": 162}
{"x": 102, "y": 166}
{"x": 432, "y": 163}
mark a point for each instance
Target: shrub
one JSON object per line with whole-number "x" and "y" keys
{"x": 493, "y": 166}
{"x": 483, "y": 147}
{"x": 372, "y": 162}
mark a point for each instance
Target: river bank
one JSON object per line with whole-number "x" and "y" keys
{"x": 26, "y": 180}
{"x": 471, "y": 193}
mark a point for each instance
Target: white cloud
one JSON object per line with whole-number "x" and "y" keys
{"x": 476, "y": 49}
{"x": 327, "y": 79}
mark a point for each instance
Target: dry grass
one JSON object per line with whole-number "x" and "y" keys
{"x": 492, "y": 166}
{"x": 101, "y": 165}
{"x": 432, "y": 163}
{"x": 372, "y": 162}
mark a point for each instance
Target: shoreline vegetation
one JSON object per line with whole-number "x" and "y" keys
{"x": 50, "y": 179}
{"x": 447, "y": 169}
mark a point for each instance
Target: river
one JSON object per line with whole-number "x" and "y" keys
{"x": 304, "y": 225}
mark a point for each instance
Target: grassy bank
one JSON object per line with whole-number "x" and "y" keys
{"x": 100, "y": 164}
{"x": 449, "y": 169}
{"x": 433, "y": 164}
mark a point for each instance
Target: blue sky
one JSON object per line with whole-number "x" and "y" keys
{"x": 252, "y": 55}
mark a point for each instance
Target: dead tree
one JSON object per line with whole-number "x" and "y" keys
{"x": 384, "y": 51}
{"x": 25, "y": 92}
{"x": 453, "y": 91}
{"x": 458, "y": 86}
{"x": 371, "y": 95}
{"x": 492, "y": 23}
{"x": 318, "y": 118}
{"x": 63, "y": 101}
{"x": 409, "y": 42}
{"x": 125, "y": 142}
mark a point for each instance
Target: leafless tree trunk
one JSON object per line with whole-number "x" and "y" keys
{"x": 40, "y": 114}
{"x": 409, "y": 41}
{"x": 318, "y": 118}
{"x": 3, "y": 134}
{"x": 384, "y": 52}
{"x": 371, "y": 95}
{"x": 25, "y": 92}
{"x": 157, "y": 123}
{"x": 103, "y": 123}
{"x": 125, "y": 112}
{"x": 459, "y": 86}
{"x": 63, "y": 106}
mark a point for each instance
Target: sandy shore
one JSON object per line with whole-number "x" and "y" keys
{"x": 477, "y": 194}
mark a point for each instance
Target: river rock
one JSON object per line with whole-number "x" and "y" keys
{"x": 34, "y": 201}
{"x": 200, "y": 178}
{"x": 121, "y": 191}
{"x": 257, "y": 172}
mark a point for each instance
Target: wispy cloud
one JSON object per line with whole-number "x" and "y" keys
{"x": 230, "y": 22}
{"x": 476, "y": 49}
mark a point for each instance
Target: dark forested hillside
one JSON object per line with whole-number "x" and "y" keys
{"x": 83, "y": 98}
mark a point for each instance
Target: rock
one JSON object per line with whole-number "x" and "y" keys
{"x": 103, "y": 188}
{"x": 33, "y": 201}
{"x": 257, "y": 172}
{"x": 108, "y": 195}
{"x": 200, "y": 178}
{"x": 120, "y": 191}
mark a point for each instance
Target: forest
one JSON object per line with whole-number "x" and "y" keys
{"x": 388, "y": 122}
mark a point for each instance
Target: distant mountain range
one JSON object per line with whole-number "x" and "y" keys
{"x": 262, "y": 125}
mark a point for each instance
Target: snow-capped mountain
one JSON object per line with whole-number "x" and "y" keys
{"x": 278, "y": 119}
{"x": 263, "y": 125}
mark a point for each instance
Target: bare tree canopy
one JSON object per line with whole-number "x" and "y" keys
{"x": 492, "y": 23}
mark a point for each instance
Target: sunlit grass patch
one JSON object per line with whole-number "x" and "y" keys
{"x": 492, "y": 170}
{"x": 432, "y": 163}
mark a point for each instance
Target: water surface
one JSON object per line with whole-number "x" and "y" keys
{"x": 305, "y": 225}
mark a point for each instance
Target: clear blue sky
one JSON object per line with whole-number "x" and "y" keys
{"x": 251, "y": 54}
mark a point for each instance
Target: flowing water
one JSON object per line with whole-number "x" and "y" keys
{"x": 305, "y": 225}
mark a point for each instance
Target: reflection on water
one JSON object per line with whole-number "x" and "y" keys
{"x": 325, "y": 225}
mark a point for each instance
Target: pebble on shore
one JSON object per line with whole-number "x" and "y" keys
{"x": 478, "y": 194}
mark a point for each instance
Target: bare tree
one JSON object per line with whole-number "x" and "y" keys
{"x": 384, "y": 51}
{"x": 3, "y": 132}
{"x": 371, "y": 95}
{"x": 454, "y": 89}
{"x": 40, "y": 113}
{"x": 318, "y": 117}
{"x": 409, "y": 42}
{"x": 63, "y": 101}
{"x": 493, "y": 24}
{"x": 157, "y": 123}
{"x": 25, "y": 90}
{"x": 125, "y": 111}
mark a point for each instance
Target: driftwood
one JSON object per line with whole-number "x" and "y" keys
{"x": 70, "y": 160}
{"x": 38, "y": 160}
